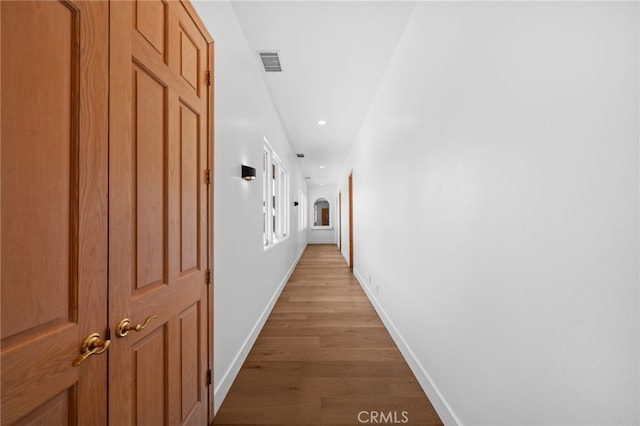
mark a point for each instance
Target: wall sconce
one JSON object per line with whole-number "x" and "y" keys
{"x": 295, "y": 204}
{"x": 248, "y": 173}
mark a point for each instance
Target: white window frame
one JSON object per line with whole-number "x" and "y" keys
{"x": 305, "y": 214}
{"x": 302, "y": 210}
{"x": 275, "y": 201}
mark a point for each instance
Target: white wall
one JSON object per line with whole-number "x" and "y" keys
{"x": 503, "y": 145}
{"x": 323, "y": 236}
{"x": 244, "y": 115}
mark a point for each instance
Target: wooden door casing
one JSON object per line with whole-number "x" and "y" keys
{"x": 340, "y": 220}
{"x": 159, "y": 253}
{"x": 54, "y": 210}
{"x": 351, "y": 220}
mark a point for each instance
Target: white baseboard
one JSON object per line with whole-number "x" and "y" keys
{"x": 221, "y": 391}
{"x": 439, "y": 403}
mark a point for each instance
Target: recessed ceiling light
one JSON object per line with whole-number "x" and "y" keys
{"x": 322, "y": 122}
{"x": 322, "y": 167}
{"x": 322, "y": 184}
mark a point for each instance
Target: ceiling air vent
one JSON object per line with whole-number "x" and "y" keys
{"x": 300, "y": 155}
{"x": 270, "y": 61}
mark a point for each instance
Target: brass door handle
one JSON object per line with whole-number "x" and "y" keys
{"x": 125, "y": 326}
{"x": 91, "y": 345}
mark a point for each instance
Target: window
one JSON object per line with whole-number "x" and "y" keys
{"x": 302, "y": 210}
{"x": 275, "y": 197}
{"x": 321, "y": 212}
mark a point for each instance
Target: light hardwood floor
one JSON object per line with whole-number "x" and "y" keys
{"x": 323, "y": 357}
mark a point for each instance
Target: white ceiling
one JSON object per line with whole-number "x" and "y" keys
{"x": 333, "y": 55}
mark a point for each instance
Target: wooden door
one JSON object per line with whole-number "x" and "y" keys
{"x": 340, "y": 220}
{"x": 53, "y": 229}
{"x": 351, "y": 220}
{"x": 325, "y": 217}
{"x": 158, "y": 200}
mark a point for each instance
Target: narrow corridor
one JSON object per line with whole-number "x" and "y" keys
{"x": 325, "y": 358}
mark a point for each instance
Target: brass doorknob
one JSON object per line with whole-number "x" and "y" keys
{"x": 124, "y": 327}
{"x": 91, "y": 345}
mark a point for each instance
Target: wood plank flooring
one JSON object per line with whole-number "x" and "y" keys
{"x": 324, "y": 357}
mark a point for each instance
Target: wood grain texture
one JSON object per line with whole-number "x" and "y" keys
{"x": 56, "y": 194}
{"x": 323, "y": 357}
{"x": 54, "y": 211}
{"x": 150, "y": 22}
{"x": 38, "y": 192}
{"x": 158, "y": 215}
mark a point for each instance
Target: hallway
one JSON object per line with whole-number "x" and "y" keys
{"x": 324, "y": 357}
{"x": 174, "y": 190}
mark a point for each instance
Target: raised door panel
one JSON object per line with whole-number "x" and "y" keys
{"x": 150, "y": 165}
{"x": 190, "y": 185}
{"x": 53, "y": 225}
{"x": 190, "y": 361}
{"x": 39, "y": 245}
{"x": 150, "y": 24}
{"x": 189, "y": 60}
{"x": 150, "y": 378}
{"x": 54, "y": 412}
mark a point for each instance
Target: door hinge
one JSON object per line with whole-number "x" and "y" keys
{"x": 207, "y": 176}
{"x": 208, "y": 78}
{"x": 207, "y": 276}
{"x": 209, "y": 379}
